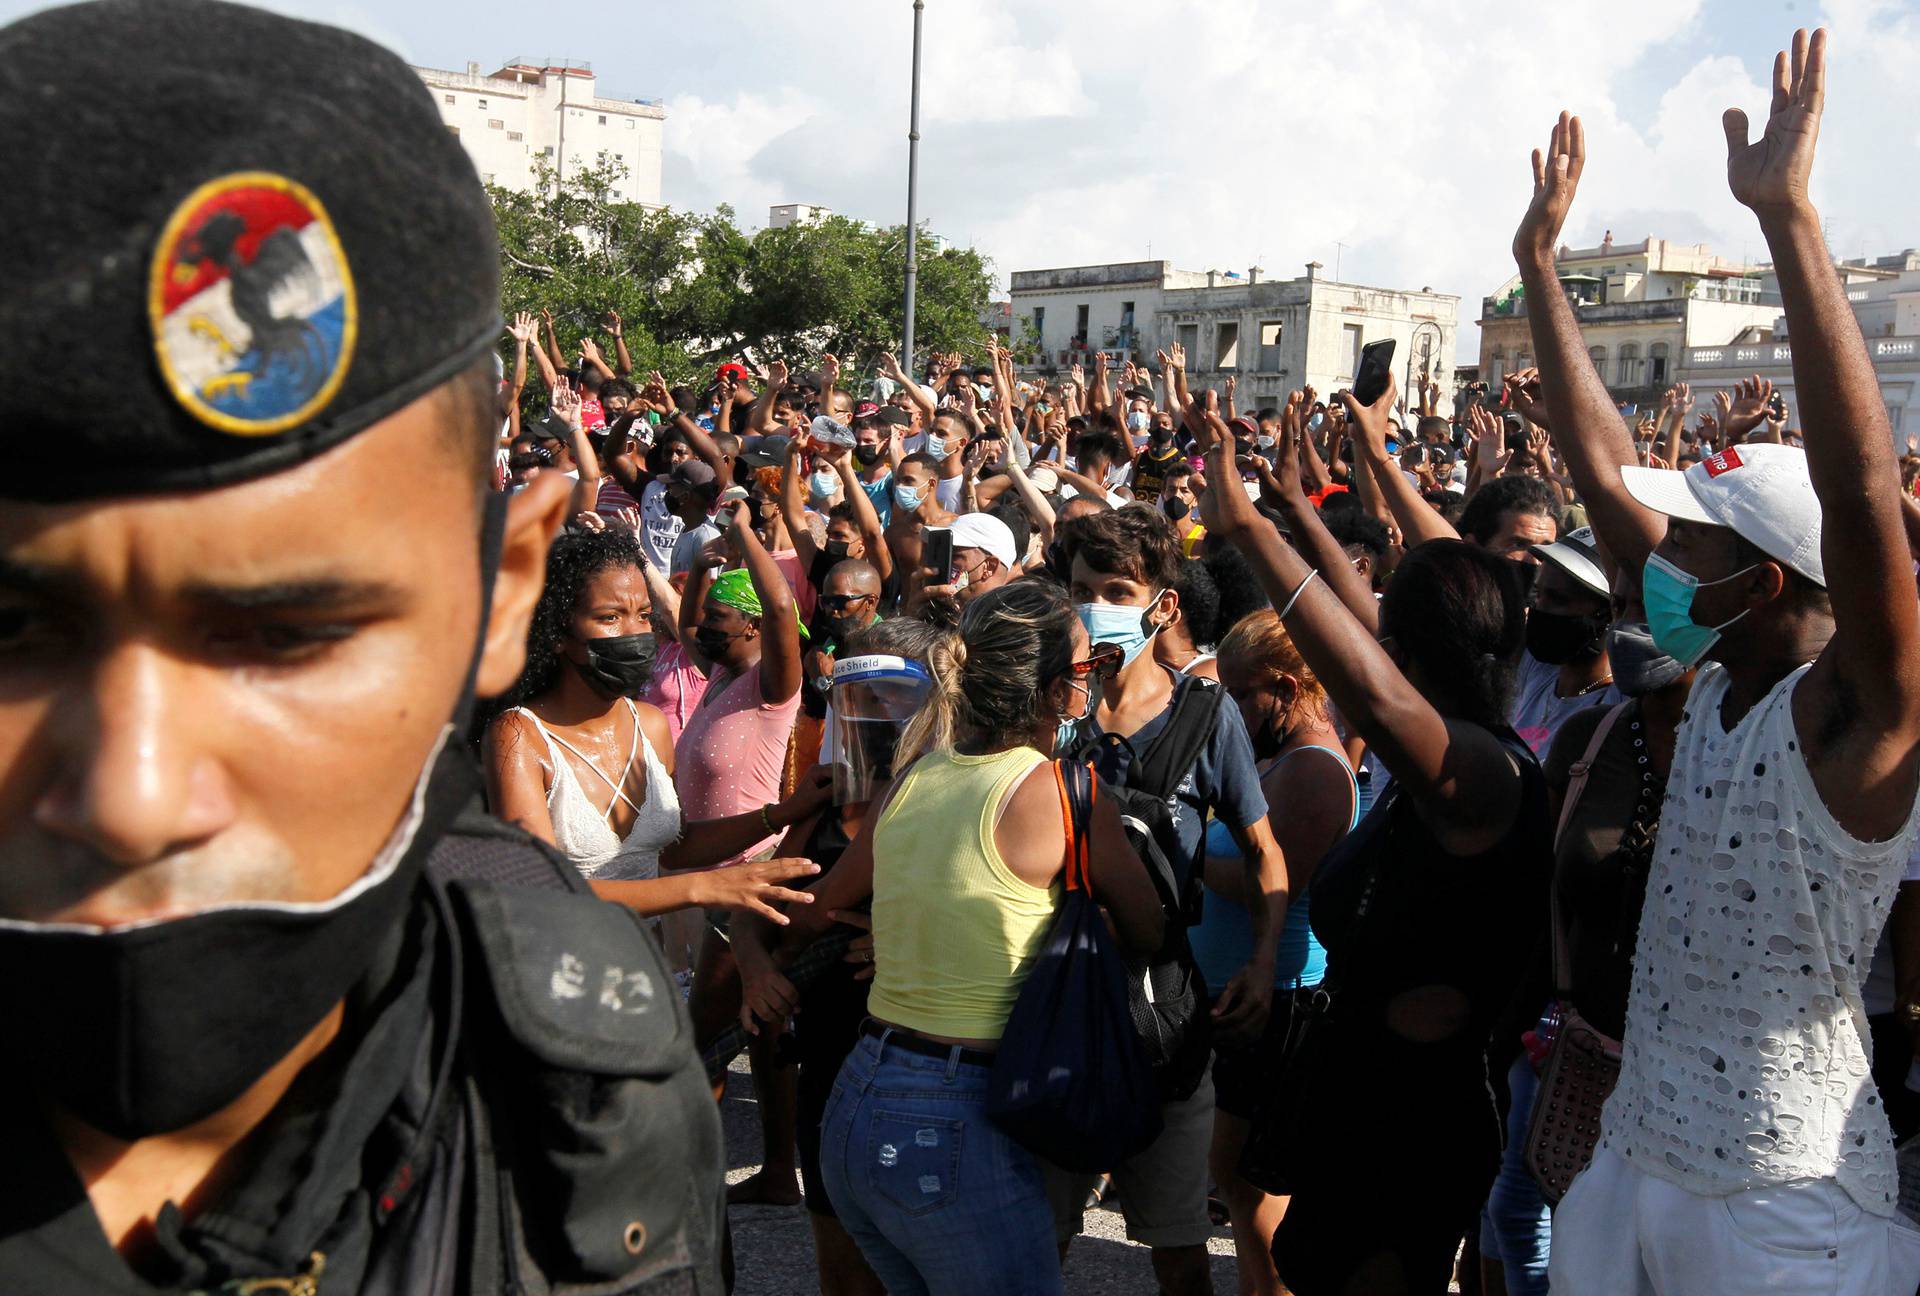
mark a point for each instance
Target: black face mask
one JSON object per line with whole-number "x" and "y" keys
{"x": 619, "y": 666}
{"x": 712, "y": 643}
{"x": 1556, "y": 638}
{"x": 837, "y": 549}
{"x": 1161, "y": 435}
{"x": 146, "y": 1029}
{"x": 1639, "y": 667}
{"x": 1176, "y": 508}
{"x": 866, "y": 456}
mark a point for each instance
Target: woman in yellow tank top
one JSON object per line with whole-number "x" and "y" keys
{"x": 963, "y": 865}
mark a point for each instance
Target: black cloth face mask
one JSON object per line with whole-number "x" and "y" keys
{"x": 148, "y": 1028}
{"x": 866, "y": 456}
{"x": 620, "y": 665}
{"x": 1557, "y": 638}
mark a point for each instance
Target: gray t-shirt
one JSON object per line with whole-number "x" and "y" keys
{"x": 1539, "y": 711}
{"x": 687, "y": 548}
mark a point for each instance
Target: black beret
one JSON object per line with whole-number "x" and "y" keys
{"x": 238, "y": 240}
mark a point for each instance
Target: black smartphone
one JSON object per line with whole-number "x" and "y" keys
{"x": 936, "y": 553}
{"x": 1777, "y": 406}
{"x": 1370, "y": 379}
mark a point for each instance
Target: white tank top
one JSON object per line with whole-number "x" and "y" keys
{"x": 1745, "y": 1061}
{"x": 580, "y": 828}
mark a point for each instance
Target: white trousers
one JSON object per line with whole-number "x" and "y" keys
{"x": 1623, "y": 1232}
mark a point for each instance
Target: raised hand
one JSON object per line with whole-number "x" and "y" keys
{"x": 1774, "y": 171}
{"x": 611, "y": 321}
{"x": 522, "y": 328}
{"x": 1526, "y": 396}
{"x": 1556, "y": 176}
{"x": 1177, "y": 356}
{"x": 590, "y": 349}
{"x": 1079, "y": 373}
{"x": 655, "y": 393}
{"x": 1746, "y": 409}
{"x": 566, "y": 403}
{"x": 1232, "y": 385}
{"x": 829, "y": 374}
{"x": 1489, "y": 440}
{"x": 1369, "y": 422}
{"x": 629, "y": 519}
{"x": 777, "y": 373}
{"x": 890, "y": 366}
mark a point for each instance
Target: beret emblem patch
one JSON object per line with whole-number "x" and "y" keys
{"x": 252, "y": 306}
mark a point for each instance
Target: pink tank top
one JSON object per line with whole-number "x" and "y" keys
{"x": 676, "y": 687}
{"x": 729, "y": 758}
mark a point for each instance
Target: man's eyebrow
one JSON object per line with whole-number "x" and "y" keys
{"x": 315, "y": 594}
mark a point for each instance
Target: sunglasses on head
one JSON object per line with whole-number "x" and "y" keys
{"x": 1102, "y": 662}
{"x": 841, "y": 602}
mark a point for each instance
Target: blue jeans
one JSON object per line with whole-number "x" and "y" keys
{"x": 1515, "y": 1228}
{"x": 938, "y": 1199}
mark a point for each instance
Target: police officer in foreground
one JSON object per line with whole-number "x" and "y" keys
{"x": 280, "y": 1009}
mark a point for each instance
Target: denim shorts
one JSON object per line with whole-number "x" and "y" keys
{"x": 937, "y": 1197}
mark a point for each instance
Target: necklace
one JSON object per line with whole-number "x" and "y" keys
{"x": 1597, "y": 684}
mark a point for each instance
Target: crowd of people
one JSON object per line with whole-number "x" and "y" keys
{"x": 1501, "y": 818}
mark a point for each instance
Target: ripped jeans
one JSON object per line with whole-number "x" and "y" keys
{"x": 939, "y": 1200}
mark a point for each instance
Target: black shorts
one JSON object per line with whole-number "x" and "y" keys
{"x": 1245, "y": 1074}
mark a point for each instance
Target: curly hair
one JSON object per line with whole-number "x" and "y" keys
{"x": 575, "y": 558}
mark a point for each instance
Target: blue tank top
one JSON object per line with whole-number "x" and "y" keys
{"x": 1223, "y": 942}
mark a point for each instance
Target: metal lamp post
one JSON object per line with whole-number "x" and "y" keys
{"x": 913, "y": 194}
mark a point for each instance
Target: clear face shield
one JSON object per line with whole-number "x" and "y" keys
{"x": 873, "y": 698}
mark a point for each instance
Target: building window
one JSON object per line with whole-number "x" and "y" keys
{"x": 483, "y": 103}
{"x": 515, "y": 136}
{"x": 1496, "y": 367}
{"x": 448, "y": 98}
{"x": 629, "y": 123}
{"x": 1040, "y": 328}
{"x": 548, "y": 150}
{"x": 494, "y": 123}
{"x": 1270, "y": 331}
{"x": 603, "y": 119}
{"x": 1349, "y": 348}
{"x": 1080, "y": 323}
{"x": 1190, "y": 341}
{"x": 1657, "y": 364}
{"x": 452, "y": 129}
{"x": 1599, "y": 355}
{"x": 1628, "y": 373}
{"x": 1226, "y": 345}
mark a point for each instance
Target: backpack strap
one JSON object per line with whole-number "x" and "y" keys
{"x": 1077, "y": 792}
{"x": 1196, "y": 708}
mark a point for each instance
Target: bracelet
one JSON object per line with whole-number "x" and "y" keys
{"x": 1298, "y": 590}
{"x": 766, "y": 821}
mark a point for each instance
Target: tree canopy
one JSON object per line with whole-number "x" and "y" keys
{"x": 693, "y": 290}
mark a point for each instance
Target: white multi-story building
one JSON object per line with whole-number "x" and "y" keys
{"x": 1885, "y": 295}
{"x": 1270, "y": 335}
{"x": 528, "y": 111}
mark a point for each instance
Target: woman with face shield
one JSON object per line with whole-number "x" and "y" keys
{"x": 878, "y": 685}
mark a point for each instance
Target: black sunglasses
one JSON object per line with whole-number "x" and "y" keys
{"x": 1103, "y": 662}
{"x": 841, "y": 602}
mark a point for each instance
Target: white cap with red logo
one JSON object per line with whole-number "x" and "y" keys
{"x": 1761, "y": 492}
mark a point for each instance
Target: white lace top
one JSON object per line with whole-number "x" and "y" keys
{"x": 580, "y": 828}
{"x": 1745, "y": 1061}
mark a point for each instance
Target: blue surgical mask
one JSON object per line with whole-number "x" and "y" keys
{"x": 1668, "y": 593}
{"x": 1068, "y": 729}
{"x": 1138, "y": 421}
{"x": 936, "y": 446}
{"x": 906, "y": 498}
{"x": 823, "y": 483}
{"x": 1120, "y": 624}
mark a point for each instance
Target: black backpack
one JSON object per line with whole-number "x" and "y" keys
{"x": 1165, "y": 992}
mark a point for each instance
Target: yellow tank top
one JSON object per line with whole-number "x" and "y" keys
{"x": 954, "y": 931}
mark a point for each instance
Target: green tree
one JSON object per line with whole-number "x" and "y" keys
{"x": 694, "y": 290}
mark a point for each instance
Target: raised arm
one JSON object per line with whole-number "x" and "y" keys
{"x": 704, "y": 447}
{"x": 1282, "y": 487}
{"x": 872, "y": 533}
{"x": 1418, "y": 521}
{"x": 793, "y": 506}
{"x": 920, "y": 396}
{"x": 590, "y": 351}
{"x": 622, "y": 361}
{"x": 1593, "y": 439}
{"x": 779, "y": 615}
{"x": 586, "y": 488}
{"x": 555, "y": 360}
{"x": 1463, "y": 783}
{"x": 760, "y": 417}
{"x": 1874, "y": 656}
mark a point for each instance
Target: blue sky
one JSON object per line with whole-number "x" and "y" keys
{"x": 1225, "y": 132}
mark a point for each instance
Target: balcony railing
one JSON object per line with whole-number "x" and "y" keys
{"x": 1752, "y": 356}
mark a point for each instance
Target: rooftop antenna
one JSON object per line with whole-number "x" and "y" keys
{"x": 1338, "y": 248}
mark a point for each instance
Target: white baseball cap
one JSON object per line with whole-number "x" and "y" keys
{"x": 1759, "y": 491}
{"x": 1576, "y": 554}
{"x": 986, "y": 533}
